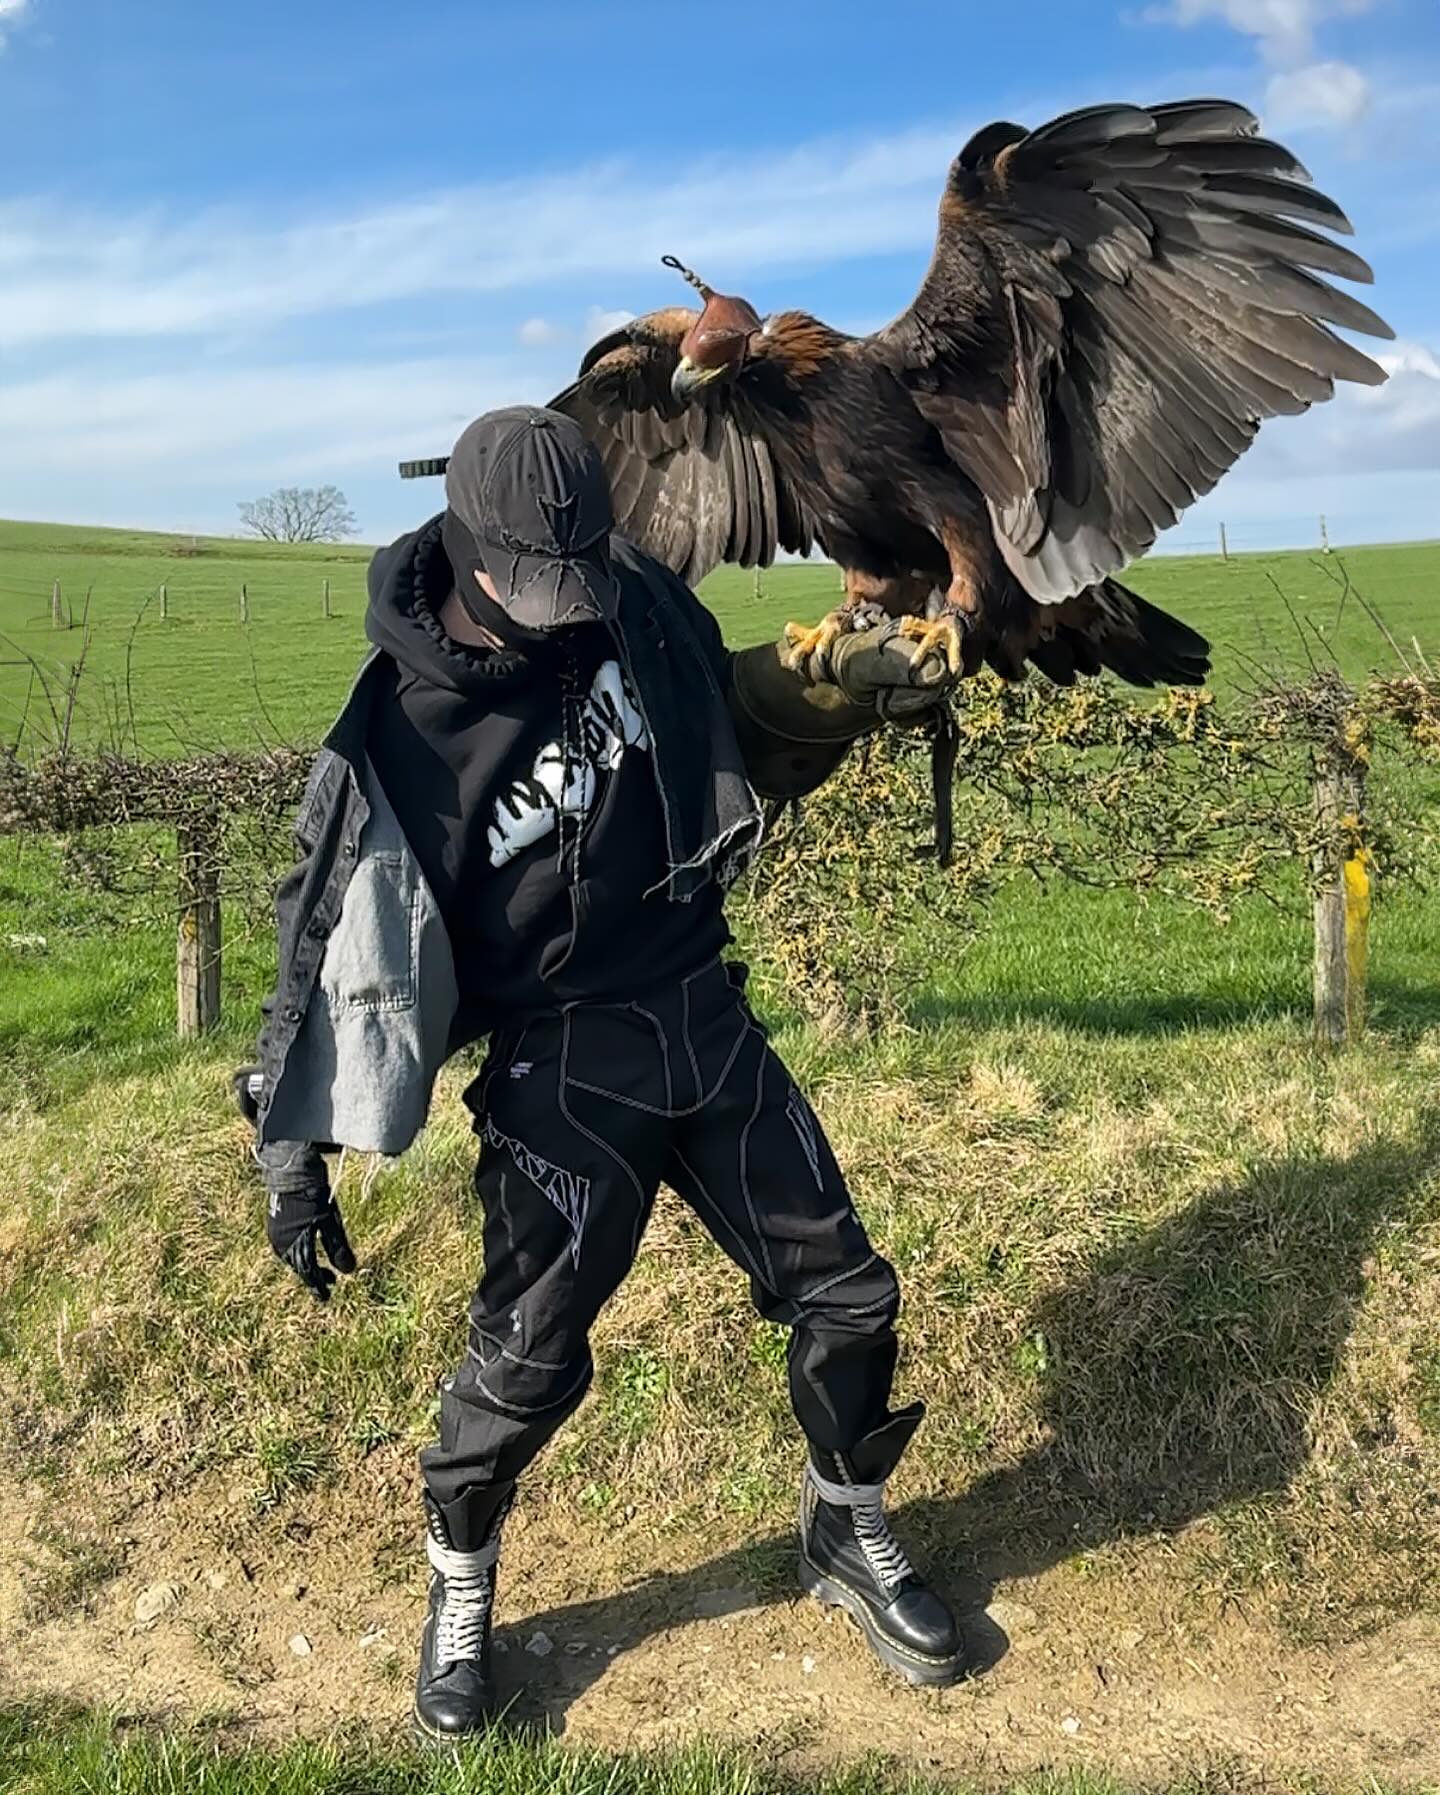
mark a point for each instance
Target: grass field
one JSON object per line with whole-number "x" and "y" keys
{"x": 200, "y": 677}
{"x": 1170, "y": 1294}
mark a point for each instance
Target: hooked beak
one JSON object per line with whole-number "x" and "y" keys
{"x": 688, "y": 379}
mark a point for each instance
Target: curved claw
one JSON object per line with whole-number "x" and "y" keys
{"x": 944, "y": 634}
{"x": 805, "y": 642}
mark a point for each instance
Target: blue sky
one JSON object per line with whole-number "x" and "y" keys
{"x": 250, "y": 246}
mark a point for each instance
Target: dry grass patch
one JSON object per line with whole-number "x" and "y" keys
{"x": 1179, "y": 1287}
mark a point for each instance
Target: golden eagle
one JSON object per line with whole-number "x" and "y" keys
{"x": 1115, "y": 303}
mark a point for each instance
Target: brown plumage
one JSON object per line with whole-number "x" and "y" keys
{"x": 1115, "y": 303}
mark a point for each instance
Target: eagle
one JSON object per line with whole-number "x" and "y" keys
{"x": 1115, "y": 303}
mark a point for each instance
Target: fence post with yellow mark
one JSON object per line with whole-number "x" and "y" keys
{"x": 1344, "y": 879}
{"x": 197, "y": 958}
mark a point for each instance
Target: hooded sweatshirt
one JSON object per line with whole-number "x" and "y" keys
{"x": 524, "y": 779}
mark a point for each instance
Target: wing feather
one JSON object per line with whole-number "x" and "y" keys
{"x": 694, "y": 485}
{"x": 1116, "y": 302}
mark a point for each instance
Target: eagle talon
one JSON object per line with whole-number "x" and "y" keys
{"x": 945, "y": 633}
{"x": 805, "y": 642}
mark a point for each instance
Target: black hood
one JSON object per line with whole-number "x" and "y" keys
{"x": 409, "y": 582}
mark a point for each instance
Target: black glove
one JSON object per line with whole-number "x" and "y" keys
{"x": 881, "y": 670}
{"x": 303, "y": 1216}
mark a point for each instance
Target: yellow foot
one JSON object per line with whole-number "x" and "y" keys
{"x": 944, "y": 634}
{"x": 805, "y": 642}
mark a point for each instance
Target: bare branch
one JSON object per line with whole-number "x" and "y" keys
{"x": 299, "y": 514}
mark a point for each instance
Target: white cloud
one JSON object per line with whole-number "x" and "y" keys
{"x": 1322, "y": 93}
{"x": 71, "y": 275}
{"x": 1302, "y": 92}
{"x": 534, "y": 333}
{"x": 599, "y": 322}
{"x": 1410, "y": 358}
{"x": 1284, "y": 29}
{"x": 1391, "y": 428}
{"x": 12, "y": 13}
{"x": 272, "y": 423}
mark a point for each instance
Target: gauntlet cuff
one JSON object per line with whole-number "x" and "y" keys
{"x": 792, "y": 734}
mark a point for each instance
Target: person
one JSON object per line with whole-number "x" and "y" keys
{"x": 522, "y": 826}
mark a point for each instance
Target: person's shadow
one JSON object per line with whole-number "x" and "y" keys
{"x": 1180, "y": 1370}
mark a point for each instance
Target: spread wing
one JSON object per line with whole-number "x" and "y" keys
{"x": 1116, "y": 301}
{"x": 693, "y": 485}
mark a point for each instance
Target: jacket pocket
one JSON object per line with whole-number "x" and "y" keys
{"x": 371, "y": 959}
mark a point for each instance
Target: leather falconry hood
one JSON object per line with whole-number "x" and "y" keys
{"x": 709, "y": 342}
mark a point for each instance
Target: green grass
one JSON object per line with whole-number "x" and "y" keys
{"x": 72, "y": 1753}
{"x": 202, "y": 678}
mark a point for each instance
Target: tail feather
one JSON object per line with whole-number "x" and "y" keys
{"x": 1105, "y": 627}
{"x": 1139, "y": 642}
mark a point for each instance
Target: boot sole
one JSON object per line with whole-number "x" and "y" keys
{"x": 919, "y": 1671}
{"x": 440, "y": 1744}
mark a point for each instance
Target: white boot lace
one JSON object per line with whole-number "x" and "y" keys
{"x": 467, "y": 1581}
{"x": 883, "y": 1552}
{"x": 866, "y": 1501}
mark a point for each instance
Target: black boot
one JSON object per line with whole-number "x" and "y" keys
{"x": 454, "y": 1694}
{"x": 850, "y": 1559}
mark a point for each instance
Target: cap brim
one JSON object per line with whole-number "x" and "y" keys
{"x": 544, "y": 592}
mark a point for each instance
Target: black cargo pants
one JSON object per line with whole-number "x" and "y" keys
{"x": 581, "y": 1114}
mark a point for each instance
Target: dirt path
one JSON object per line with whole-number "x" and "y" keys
{"x": 300, "y": 1624}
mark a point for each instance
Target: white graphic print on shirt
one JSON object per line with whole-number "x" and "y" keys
{"x": 610, "y": 722}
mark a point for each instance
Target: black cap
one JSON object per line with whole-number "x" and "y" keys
{"x": 532, "y": 499}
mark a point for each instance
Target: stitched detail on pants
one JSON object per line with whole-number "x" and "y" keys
{"x": 883, "y": 1302}
{"x": 664, "y": 1040}
{"x": 850, "y": 1271}
{"x": 595, "y": 1090}
{"x": 525, "y": 1411}
{"x": 743, "y": 1164}
{"x": 502, "y": 1351}
{"x": 726, "y": 1069}
{"x": 642, "y": 1201}
{"x": 803, "y": 1122}
{"x": 726, "y": 1224}
{"x": 569, "y": 1192}
{"x": 689, "y": 1046}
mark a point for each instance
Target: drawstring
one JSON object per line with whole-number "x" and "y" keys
{"x": 572, "y": 759}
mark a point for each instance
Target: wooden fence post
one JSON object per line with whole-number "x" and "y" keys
{"x": 164, "y": 600}
{"x": 197, "y": 957}
{"x": 59, "y": 619}
{"x": 325, "y": 600}
{"x": 1324, "y": 536}
{"x": 1344, "y": 882}
{"x": 244, "y": 602}
{"x": 1224, "y": 545}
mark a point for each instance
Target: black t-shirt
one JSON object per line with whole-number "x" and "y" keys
{"x": 525, "y": 783}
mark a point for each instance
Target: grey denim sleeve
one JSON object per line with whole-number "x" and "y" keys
{"x": 292, "y": 1168}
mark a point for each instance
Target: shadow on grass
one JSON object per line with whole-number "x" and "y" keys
{"x": 1402, "y": 1008}
{"x": 1181, "y": 1369}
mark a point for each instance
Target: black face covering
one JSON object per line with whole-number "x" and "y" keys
{"x": 464, "y": 558}
{"x": 578, "y": 646}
